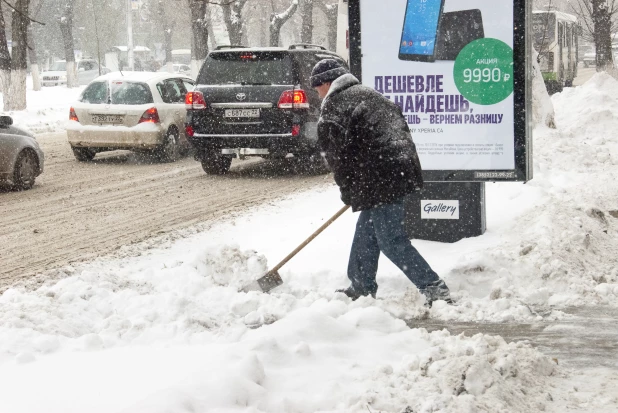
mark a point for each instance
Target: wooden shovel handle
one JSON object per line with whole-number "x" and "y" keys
{"x": 311, "y": 238}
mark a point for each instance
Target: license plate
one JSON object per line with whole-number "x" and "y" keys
{"x": 242, "y": 113}
{"x": 107, "y": 119}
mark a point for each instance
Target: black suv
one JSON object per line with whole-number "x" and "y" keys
{"x": 255, "y": 102}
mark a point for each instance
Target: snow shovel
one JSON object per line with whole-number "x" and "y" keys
{"x": 272, "y": 279}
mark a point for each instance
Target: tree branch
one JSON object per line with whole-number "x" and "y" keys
{"x": 22, "y": 14}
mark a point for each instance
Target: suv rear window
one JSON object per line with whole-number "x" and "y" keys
{"x": 247, "y": 68}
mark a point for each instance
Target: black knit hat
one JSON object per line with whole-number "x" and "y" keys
{"x": 326, "y": 71}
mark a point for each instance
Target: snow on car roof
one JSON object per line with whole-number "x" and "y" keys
{"x": 253, "y": 49}
{"x": 135, "y": 48}
{"x": 139, "y": 76}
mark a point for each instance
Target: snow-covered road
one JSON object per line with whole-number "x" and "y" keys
{"x": 80, "y": 210}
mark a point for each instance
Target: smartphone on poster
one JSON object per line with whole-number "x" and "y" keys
{"x": 457, "y": 30}
{"x": 420, "y": 30}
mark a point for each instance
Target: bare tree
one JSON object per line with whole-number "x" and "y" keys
{"x": 598, "y": 18}
{"x": 277, "y": 20}
{"x": 330, "y": 11}
{"x": 16, "y": 95}
{"x": 66, "y": 28}
{"x": 232, "y": 15}
{"x": 167, "y": 25}
{"x": 34, "y": 63}
{"x": 5, "y": 61}
{"x": 306, "y": 27}
{"x": 199, "y": 40}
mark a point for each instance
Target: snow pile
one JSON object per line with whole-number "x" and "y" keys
{"x": 137, "y": 338}
{"x": 542, "y": 107}
{"x": 562, "y": 250}
{"x": 48, "y": 109}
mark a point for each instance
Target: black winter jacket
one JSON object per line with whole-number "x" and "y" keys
{"x": 368, "y": 145}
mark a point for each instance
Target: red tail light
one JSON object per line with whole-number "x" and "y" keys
{"x": 150, "y": 116}
{"x": 73, "y": 115}
{"x": 294, "y": 99}
{"x": 189, "y": 131}
{"x": 295, "y": 130}
{"x": 195, "y": 100}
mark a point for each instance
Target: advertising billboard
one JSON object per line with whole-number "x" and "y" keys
{"x": 457, "y": 69}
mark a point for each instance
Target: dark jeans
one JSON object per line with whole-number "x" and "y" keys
{"x": 381, "y": 229}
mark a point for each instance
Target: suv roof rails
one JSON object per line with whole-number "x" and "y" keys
{"x": 229, "y": 46}
{"x": 306, "y": 46}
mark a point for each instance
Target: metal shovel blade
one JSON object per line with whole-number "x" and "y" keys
{"x": 267, "y": 282}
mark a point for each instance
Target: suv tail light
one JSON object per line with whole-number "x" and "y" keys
{"x": 294, "y": 99}
{"x": 150, "y": 116}
{"x": 190, "y": 132}
{"x": 73, "y": 115}
{"x": 195, "y": 100}
{"x": 295, "y": 130}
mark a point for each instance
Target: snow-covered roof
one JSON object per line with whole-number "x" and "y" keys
{"x": 145, "y": 77}
{"x": 253, "y": 49}
{"x": 135, "y": 48}
{"x": 559, "y": 14}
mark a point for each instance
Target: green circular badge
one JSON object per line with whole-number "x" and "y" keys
{"x": 484, "y": 71}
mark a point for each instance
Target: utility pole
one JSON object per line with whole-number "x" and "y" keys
{"x": 130, "y": 56}
{"x": 96, "y": 33}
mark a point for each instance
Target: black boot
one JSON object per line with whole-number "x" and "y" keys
{"x": 435, "y": 291}
{"x": 354, "y": 294}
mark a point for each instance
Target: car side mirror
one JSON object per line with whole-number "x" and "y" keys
{"x": 5, "y": 121}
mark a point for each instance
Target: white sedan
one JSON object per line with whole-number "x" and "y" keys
{"x": 177, "y": 68}
{"x": 141, "y": 111}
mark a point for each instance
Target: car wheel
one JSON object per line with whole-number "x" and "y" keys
{"x": 214, "y": 164}
{"x": 169, "y": 151}
{"x": 83, "y": 154}
{"x": 25, "y": 172}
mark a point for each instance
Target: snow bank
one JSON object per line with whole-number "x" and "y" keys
{"x": 542, "y": 107}
{"x": 47, "y": 110}
{"x": 160, "y": 334}
{"x": 561, "y": 251}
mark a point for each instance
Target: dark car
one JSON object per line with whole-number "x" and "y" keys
{"x": 21, "y": 157}
{"x": 255, "y": 102}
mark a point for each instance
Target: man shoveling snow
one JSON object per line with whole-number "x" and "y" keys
{"x": 370, "y": 150}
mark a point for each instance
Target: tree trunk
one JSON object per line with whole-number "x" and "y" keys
{"x": 306, "y": 27}
{"x": 277, "y": 20}
{"x": 168, "y": 29}
{"x": 34, "y": 63}
{"x": 19, "y": 57}
{"x": 5, "y": 62}
{"x": 232, "y": 15}
{"x": 601, "y": 18}
{"x": 210, "y": 28}
{"x": 199, "y": 26}
{"x": 330, "y": 11}
{"x": 66, "y": 28}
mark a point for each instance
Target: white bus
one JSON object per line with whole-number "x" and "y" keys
{"x": 556, "y": 36}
